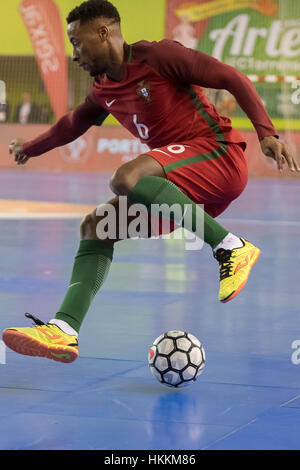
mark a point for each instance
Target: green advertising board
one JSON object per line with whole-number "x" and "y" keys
{"x": 261, "y": 38}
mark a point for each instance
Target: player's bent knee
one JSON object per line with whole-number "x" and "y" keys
{"x": 88, "y": 227}
{"x": 94, "y": 225}
{"x": 121, "y": 183}
{"x": 123, "y": 180}
{"x": 127, "y": 176}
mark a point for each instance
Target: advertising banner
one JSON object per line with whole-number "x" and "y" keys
{"x": 261, "y": 38}
{"x": 49, "y": 46}
{"x": 106, "y": 149}
{"x": 102, "y": 150}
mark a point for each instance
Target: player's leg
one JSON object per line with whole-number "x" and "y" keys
{"x": 208, "y": 175}
{"x": 135, "y": 180}
{"x": 57, "y": 339}
{"x": 144, "y": 180}
{"x": 92, "y": 262}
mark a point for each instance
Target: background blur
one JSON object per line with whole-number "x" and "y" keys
{"x": 39, "y": 83}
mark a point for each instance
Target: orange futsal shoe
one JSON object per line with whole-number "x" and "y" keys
{"x": 43, "y": 340}
{"x": 235, "y": 266}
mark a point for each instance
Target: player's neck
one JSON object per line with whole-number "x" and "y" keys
{"x": 116, "y": 71}
{"x": 116, "y": 74}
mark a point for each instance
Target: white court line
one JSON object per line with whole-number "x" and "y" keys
{"x": 290, "y": 401}
{"x": 234, "y": 431}
{"x": 291, "y": 223}
{"x": 39, "y": 215}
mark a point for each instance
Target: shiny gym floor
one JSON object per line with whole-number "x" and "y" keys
{"x": 248, "y": 396}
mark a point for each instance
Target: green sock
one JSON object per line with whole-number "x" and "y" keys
{"x": 155, "y": 190}
{"x": 90, "y": 270}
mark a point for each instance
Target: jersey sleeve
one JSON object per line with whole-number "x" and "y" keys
{"x": 68, "y": 128}
{"x": 191, "y": 67}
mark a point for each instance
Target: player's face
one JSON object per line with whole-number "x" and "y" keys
{"x": 90, "y": 46}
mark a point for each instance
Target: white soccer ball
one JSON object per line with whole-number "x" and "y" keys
{"x": 176, "y": 358}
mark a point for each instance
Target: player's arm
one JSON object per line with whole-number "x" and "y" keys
{"x": 68, "y": 128}
{"x": 218, "y": 75}
{"x": 195, "y": 67}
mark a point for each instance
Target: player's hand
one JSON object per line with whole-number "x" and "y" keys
{"x": 16, "y": 148}
{"x": 279, "y": 151}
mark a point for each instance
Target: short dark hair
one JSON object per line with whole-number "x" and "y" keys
{"x": 94, "y": 9}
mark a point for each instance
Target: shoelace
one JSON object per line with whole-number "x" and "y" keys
{"x": 223, "y": 256}
{"x": 36, "y": 320}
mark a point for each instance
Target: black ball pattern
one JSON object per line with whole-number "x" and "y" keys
{"x": 176, "y": 358}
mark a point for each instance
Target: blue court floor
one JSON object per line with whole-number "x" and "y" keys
{"x": 248, "y": 396}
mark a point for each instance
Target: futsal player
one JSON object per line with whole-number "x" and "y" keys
{"x": 196, "y": 157}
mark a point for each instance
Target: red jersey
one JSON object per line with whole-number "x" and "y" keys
{"x": 161, "y": 101}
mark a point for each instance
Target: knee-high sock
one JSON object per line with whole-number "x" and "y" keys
{"x": 90, "y": 270}
{"x": 155, "y": 190}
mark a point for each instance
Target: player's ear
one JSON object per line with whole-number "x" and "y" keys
{"x": 103, "y": 32}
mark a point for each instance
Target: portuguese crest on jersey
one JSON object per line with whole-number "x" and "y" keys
{"x": 144, "y": 91}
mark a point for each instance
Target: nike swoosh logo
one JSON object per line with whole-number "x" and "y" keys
{"x": 110, "y": 103}
{"x": 53, "y": 337}
{"x": 67, "y": 356}
{"x": 75, "y": 284}
{"x": 241, "y": 265}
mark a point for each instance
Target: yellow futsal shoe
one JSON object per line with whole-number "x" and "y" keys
{"x": 235, "y": 266}
{"x": 44, "y": 340}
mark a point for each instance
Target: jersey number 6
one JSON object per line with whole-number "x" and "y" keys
{"x": 142, "y": 128}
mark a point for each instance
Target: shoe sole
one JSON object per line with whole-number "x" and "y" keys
{"x": 23, "y": 344}
{"x": 242, "y": 285}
